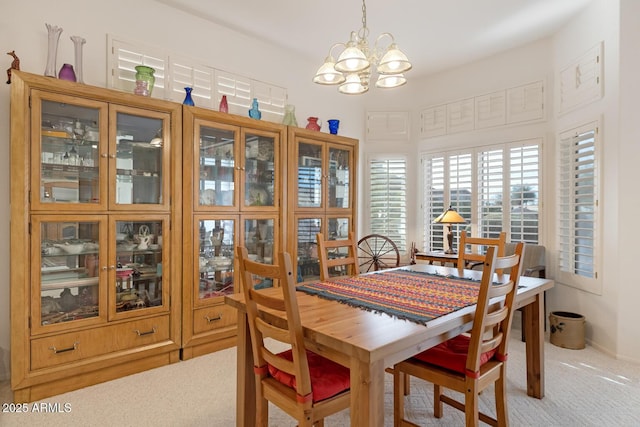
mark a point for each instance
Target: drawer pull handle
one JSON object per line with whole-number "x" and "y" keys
{"x": 64, "y": 350}
{"x": 140, "y": 334}
{"x": 209, "y": 319}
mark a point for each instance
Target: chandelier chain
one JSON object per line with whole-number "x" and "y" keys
{"x": 364, "y": 14}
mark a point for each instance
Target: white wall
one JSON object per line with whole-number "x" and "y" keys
{"x": 22, "y": 27}
{"x": 600, "y": 22}
{"x": 628, "y": 156}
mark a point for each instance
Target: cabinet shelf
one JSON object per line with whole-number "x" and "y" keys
{"x": 49, "y": 285}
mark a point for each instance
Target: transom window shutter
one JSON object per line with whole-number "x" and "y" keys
{"x": 388, "y": 200}
{"x": 175, "y": 72}
{"x": 126, "y": 56}
{"x": 185, "y": 73}
{"x": 578, "y": 208}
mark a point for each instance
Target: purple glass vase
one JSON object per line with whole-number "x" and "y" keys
{"x": 67, "y": 73}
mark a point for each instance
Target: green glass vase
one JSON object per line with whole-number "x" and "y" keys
{"x": 144, "y": 80}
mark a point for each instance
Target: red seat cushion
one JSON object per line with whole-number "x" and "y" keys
{"x": 452, "y": 354}
{"x": 327, "y": 377}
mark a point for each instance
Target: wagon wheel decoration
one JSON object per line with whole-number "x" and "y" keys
{"x": 377, "y": 252}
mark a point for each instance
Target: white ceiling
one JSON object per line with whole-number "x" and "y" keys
{"x": 434, "y": 34}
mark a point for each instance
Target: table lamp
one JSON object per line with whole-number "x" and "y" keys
{"x": 448, "y": 217}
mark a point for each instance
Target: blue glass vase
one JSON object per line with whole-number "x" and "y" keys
{"x": 187, "y": 99}
{"x": 254, "y": 112}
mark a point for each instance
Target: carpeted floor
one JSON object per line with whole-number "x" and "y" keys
{"x": 583, "y": 388}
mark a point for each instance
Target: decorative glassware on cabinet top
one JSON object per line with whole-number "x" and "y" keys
{"x": 77, "y": 47}
{"x": 224, "y": 106}
{"x": 52, "y": 51}
{"x": 188, "y": 100}
{"x": 254, "y": 112}
{"x": 313, "y": 124}
{"x": 290, "y": 116}
{"x": 145, "y": 80}
{"x": 67, "y": 73}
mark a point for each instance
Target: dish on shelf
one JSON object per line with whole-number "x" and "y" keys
{"x": 126, "y": 246}
{"x": 258, "y": 196}
{"x": 71, "y": 248}
{"x": 208, "y": 197}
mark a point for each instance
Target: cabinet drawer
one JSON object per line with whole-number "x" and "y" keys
{"x": 74, "y": 346}
{"x": 210, "y": 318}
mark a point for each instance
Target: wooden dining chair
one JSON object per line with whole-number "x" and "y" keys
{"x": 303, "y": 384}
{"x": 337, "y": 257}
{"x": 469, "y": 363}
{"x": 471, "y": 250}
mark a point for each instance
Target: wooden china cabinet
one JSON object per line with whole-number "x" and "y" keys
{"x": 95, "y": 234}
{"x": 322, "y": 194}
{"x": 233, "y": 194}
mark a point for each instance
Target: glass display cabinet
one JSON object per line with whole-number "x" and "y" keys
{"x": 322, "y": 191}
{"x": 95, "y": 188}
{"x": 234, "y": 198}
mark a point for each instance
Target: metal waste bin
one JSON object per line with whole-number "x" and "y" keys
{"x": 567, "y": 329}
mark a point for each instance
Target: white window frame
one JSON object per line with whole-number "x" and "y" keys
{"x": 567, "y": 205}
{"x": 474, "y": 213}
{"x": 400, "y": 236}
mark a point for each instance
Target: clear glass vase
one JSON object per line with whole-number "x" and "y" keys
{"x": 77, "y": 47}
{"x": 52, "y": 51}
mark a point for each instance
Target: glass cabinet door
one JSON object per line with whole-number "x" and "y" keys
{"x": 339, "y": 178}
{"x": 259, "y": 169}
{"x": 68, "y": 273}
{"x": 307, "y": 263}
{"x": 138, "y": 268}
{"x": 215, "y": 241}
{"x": 141, "y": 158}
{"x": 67, "y": 137}
{"x": 260, "y": 237}
{"x": 215, "y": 169}
{"x": 309, "y": 175}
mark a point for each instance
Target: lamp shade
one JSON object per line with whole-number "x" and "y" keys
{"x": 353, "y": 85}
{"x": 387, "y": 81}
{"x": 393, "y": 61}
{"x": 450, "y": 216}
{"x": 327, "y": 74}
{"x": 352, "y": 59}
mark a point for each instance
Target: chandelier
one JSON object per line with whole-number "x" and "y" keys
{"x": 352, "y": 70}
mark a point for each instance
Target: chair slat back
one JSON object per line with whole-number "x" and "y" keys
{"x": 263, "y": 324}
{"x": 492, "y": 323}
{"x": 474, "y": 254}
{"x": 331, "y": 253}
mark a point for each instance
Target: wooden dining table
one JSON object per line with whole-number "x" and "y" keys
{"x": 368, "y": 342}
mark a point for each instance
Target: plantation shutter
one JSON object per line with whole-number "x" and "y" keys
{"x": 578, "y": 208}
{"x": 524, "y": 180}
{"x": 435, "y": 203}
{"x": 490, "y": 192}
{"x": 388, "y": 199}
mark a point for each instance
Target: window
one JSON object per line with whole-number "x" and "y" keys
{"x": 175, "y": 72}
{"x": 388, "y": 199}
{"x": 494, "y": 188}
{"x": 578, "y": 226}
